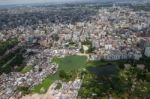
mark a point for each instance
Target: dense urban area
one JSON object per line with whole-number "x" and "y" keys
{"x": 82, "y": 51}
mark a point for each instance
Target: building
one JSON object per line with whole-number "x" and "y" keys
{"x": 140, "y": 66}
{"x": 127, "y": 66}
{"x": 137, "y": 55}
{"x": 147, "y": 51}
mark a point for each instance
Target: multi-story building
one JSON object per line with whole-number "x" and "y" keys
{"x": 147, "y": 51}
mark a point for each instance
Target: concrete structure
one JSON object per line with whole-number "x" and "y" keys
{"x": 147, "y": 51}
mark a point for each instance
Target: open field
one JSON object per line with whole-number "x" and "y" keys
{"x": 67, "y": 64}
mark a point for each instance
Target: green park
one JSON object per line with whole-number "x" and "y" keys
{"x": 100, "y": 78}
{"x": 67, "y": 64}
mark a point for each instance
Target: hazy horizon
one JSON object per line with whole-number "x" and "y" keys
{"x": 9, "y": 2}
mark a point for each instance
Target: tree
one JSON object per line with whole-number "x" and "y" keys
{"x": 55, "y": 37}
{"x": 63, "y": 74}
{"x": 86, "y": 45}
{"x": 5, "y": 45}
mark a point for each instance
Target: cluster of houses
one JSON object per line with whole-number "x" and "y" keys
{"x": 67, "y": 90}
{"x": 115, "y": 33}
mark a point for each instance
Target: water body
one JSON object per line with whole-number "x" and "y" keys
{"x": 105, "y": 70}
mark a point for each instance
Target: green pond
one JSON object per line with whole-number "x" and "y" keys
{"x": 104, "y": 70}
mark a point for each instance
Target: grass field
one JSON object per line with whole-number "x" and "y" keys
{"x": 70, "y": 62}
{"x": 67, "y": 64}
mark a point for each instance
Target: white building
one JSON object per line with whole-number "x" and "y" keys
{"x": 140, "y": 66}
{"x": 137, "y": 55}
{"x": 108, "y": 47}
{"x": 127, "y": 66}
{"x": 147, "y": 51}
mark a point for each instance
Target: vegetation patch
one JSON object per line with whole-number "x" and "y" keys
{"x": 27, "y": 69}
{"x": 44, "y": 85}
{"x": 13, "y": 59}
{"x": 106, "y": 81}
{"x": 23, "y": 90}
{"x": 69, "y": 63}
{"x": 59, "y": 85}
{"x": 5, "y": 45}
{"x": 66, "y": 65}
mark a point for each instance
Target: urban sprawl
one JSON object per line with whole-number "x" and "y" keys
{"x": 42, "y": 33}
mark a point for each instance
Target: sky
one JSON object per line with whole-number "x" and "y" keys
{"x": 8, "y": 2}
